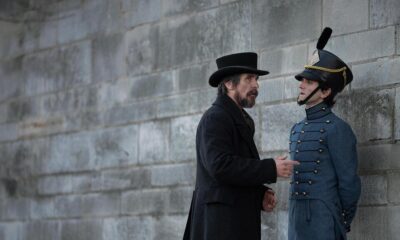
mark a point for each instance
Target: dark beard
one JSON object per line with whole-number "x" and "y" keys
{"x": 243, "y": 102}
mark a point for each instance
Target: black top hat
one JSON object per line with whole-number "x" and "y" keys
{"x": 325, "y": 67}
{"x": 237, "y": 63}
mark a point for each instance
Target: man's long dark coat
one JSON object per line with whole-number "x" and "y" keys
{"x": 227, "y": 200}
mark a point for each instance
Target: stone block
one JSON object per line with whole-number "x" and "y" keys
{"x": 398, "y": 39}
{"x": 12, "y": 230}
{"x": 147, "y": 201}
{"x": 63, "y": 184}
{"x": 180, "y": 199}
{"x": 70, "y": 66}
{"x": 370, "y": 223}
{"x": 393, "y": 219}
{"x": 170, "y": 175}
{"x": 393, "y": 183}
{"x": 43, "y": 230}
{"x": 48, "y": 33}
{"x": 15, "y": 209}
{"x": 22, "y": 109}
{"x": 94, "y": 205}
{"x": 154, "y": 142}
{"x": 362, "y": 46}
{"x": 376, "y": 74}
{"x": 379, "y": 157}
{"x": 142, "y": 49}
{"x": 151, "y": 86}
{"x": 82, "y": 229}
{"x": 137, "y": 12}
{"x": 170, "y": 227}
{"x": 69, "y": 153}
{"x": 284, "y": 60}
{"x": 129, "y": 228}
{"x": 397, "y": 115}
{"x": 205, "y": 36}
{"x": 115, "y": 147}
{"x": 108, "y": 58}
{"x": 71, "y": 25}
{"x": 136, "y": 178}
{"x": 130, "y": 113}
{"x": 269, "y": 221}
{"x": 183, "y": 138}
{"x": 384, "y": 13}
{"x": 194, "y": 77}
{"x": 175, "y": 7}
{"x": 277, "y": 120}
{"x": 374, "y": 190}
{"x": 376, "y": 109}
{"x": 271, "y": 90}
{"x": 9, "y": 131}
{"x": 302, "y": 21}
{"x": 291, "y": 88}
{"x": 42, "y": 208}
{"x": 345, "y": 16}
{"x": 11, "y": 84}
{"x": 11, "y": 33}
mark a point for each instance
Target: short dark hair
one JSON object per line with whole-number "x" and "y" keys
{"x": 222, "y": 90}
{"x": 329, "y": 100}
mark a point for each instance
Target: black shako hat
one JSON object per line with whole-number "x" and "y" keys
{"x": 232, "y": 64}
{"x": 325, "y": 67}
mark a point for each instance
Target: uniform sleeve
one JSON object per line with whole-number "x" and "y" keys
{"x": 219, "y": 158}
{"x": 342, "y": 148}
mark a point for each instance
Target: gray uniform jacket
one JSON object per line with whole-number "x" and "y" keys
{"x": 325, "y": 187}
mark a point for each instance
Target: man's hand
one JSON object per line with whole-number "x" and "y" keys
{"x": 284, "y": 167}
{"x": 269, "y": 201}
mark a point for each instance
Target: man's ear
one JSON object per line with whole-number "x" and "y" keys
{"x": 229, "y": 85}
{"x": 326, "y": 92}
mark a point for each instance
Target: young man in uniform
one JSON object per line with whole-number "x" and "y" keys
{"x": 325, "y": 187}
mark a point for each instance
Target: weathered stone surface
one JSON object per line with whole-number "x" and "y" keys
{"x": 15, "y": 209}
{"x": 393, "y": 219}
{"x": 129, "y": 228}
{"x": 277, "y": 120}
{"x": 9, "y": 131}
{"x": 345, "y": 16}
{"x": 12, "y": 230}
{"x": 52, "y": 185}
{"x": 145, "y": 201}
{"x": 194, "y": 77}
{"x": 170, "y": 227}
{"x": 180, "y": 199}
{"x": 130, "y": 113}
{"x": 369, "y": 112}
{"x": 302, "y": 21}
{"x": 170, "y": 175}
{"x": 374, "y": 190}
{"x": 152, "y": 85}
{"x": 138, "y": 12}
{"x": 174, "y": 7}
{"x": 109, "y": 61}
{"x": 123, "y": 179}
{"x": 183, "y": 138}
{"x": 142, "y": 49}
{"x": 70, "y": 66}
{"x": 393, "y": 183}
{"x": 284, "y": 60}
{"x": 397, "y": 115}
{"x": 43, "y": 230}
{"x": 362, "y": 46}
{"x": 11, "y": 33}
{"x": 11, "y": 84}
{"x": 82, "y": 229}
{"x": 371, "y": 223}
{"x": 375, "y": 74}
{"x": 379, "y": 157}
{"x": 205, "y": 36}
{"x": 116, "y": 147}
{"x": 42, "y": 208}
{"x": 154, "y": 142}
{"x": 384, "y": 13}
{"x": 271, "y": 90}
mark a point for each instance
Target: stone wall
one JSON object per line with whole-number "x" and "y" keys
{"x": 100, "y": 99}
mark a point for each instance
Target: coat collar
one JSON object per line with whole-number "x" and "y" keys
{"x": 226, "y": 103}
{"x": 318, "y": 111}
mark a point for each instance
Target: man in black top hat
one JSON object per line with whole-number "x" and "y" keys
{"x": 229, "y": 193}
{"x": 325, "y": 187}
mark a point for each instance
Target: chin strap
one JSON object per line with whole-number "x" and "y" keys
{"x": 309, "y": 96}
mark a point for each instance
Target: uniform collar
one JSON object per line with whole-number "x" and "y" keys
{"x": 318, "y": 111}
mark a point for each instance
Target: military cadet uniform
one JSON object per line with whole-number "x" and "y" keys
{"x": 325, "y": 187}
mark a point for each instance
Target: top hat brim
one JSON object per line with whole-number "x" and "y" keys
{"x": 221, "y": 73}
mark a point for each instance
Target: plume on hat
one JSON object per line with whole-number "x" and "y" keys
{"x": 323, "y": 39}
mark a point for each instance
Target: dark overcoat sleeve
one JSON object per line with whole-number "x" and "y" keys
{"x": 227, "y": 157}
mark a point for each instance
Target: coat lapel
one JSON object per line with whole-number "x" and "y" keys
{"x": 247, "y": 134}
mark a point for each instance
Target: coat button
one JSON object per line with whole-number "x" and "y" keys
{"x": 298, "y": 141}
{"x": 318, "y": 161}
{"x": 296, "y": 172}
{"x": 320, "y": 150}
{"x": 306, "y": 123}
{"x": 302, "y": 131}
{"x": 321, "y": 140}
{"x": 322, "y": 130}
{"x": 297, "y": 182}
{"x": 323, "y": 109}
{"x": 293, "y": 132}
{"x": 297, "y": 151}
{"x": 310, "y": 182}
{"x": 328, "y": 121}
{"x": 345, "y": 222}
{"x": 315, "y": 171}
{"x": 297, "y": 193}
{"x": 304, "y": 193}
